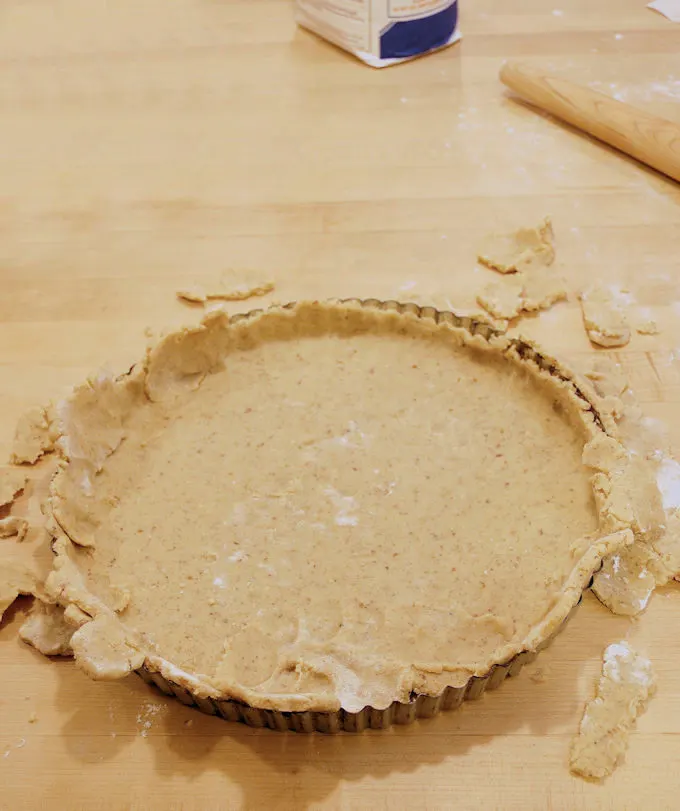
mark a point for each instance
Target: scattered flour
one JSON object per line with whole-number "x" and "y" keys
{"x": 147, "y": 715}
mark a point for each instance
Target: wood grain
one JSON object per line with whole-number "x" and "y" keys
{"x": 652, "y": 140}
{"x": 145, "y": 143}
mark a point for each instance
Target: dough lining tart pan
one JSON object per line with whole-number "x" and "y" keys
{"x": 329, "y": 515}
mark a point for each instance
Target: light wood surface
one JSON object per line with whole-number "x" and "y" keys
{"x": 145, "y": 143}
{"x": 653, "y": 140}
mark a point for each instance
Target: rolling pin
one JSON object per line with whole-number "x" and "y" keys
{"x": 652, "y": 140}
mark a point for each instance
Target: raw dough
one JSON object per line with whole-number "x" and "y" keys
{"x": 523, "y": 293}
{"x": 46, "y": 629}
{"x": 32, "y": 437}
{"x": 626, "y": 580}
{"x": 16, "y": 579}
{"x": 508, "y": 253}
{"x": 256, "y": 558}
{"x": 12, "y": 526}
{"x": 530, "y": 285}
{"x": 651, "y": 478}
{"x": 502, "y": 299}
{"x": 608, "y": 377}
{"x": 649, "y": 327}
{"x": 667, "y": 549}
{"x": 101, "y": 648}
{"x": 234, "y": 286}
{"x": 12, "y": 482}
{"x": 611, "y": 384}
{"x": 626, "y": 683}
{"x": 625, "y": 488}
{"x": 603, "y": 316}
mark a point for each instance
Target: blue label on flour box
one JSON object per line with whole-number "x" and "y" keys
{"x": 382, "y": 32}
{"x": 406, "y": 38}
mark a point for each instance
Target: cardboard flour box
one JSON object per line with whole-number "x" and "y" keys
{"x": 382, "y": 32}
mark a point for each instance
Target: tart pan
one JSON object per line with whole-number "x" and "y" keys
{"x": 419, "y": 705}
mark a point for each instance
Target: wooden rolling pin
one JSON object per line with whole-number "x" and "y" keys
{"x": 652, "y": 140}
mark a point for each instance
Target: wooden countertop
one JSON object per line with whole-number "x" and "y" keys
{"x": 145, "y": 143}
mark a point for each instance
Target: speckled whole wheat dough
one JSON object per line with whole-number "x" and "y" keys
{"x": 259, "y": 607}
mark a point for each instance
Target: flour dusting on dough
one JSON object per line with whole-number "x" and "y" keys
{"x": 626, "y": 683}
{"x": 626, "y": 580}
{"x": 648, "y": 493}
{"x": 231, "y": 286}
{"x": 603, "y": 316}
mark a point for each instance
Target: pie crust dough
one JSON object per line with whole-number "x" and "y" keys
{"x": 289, "y": 504}
{"x": 648, "y": 327}
{"x": 15, "y": 580}
{"x": 230, "y": 287}
{"x": 627, "y": 579}
{"x": 32, "y": 438}
{"x": 13, "y": 526}
{"x": 12, "y": 482}
{"x": 603, "y": 317}
{"x": 47, "y": 630}
{"x": 509, "y": 253}
{"x": 626, "y": 683}
{"x": 524, "y": 257}
{"x": 522, "y": 294}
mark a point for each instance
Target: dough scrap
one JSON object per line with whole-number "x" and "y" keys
{"x": 32, "y": 438}
{"x": 12, "y": 482}
{"x": 47, "y": 630}
{"x": 12, "y": 526}
{"x": 603, "y": 316}
{"x": 231, "y": 286}
{"x": 648, "y": 493}
{"x": 649, "y": 327}
{"x": 16, "y": 579}
{"x": 509, "y": 253}
{"x": 103, "y": 651}
{"x": 502, "y": 299}
{"x": 627, "y": 493}
{"x": 627, "y": 580}
{"x": 608, "y": 377}
{"x": 611, "y": 384}
{"x": 625, "y": 488}
{"x": 90, "y": 426}
{"x": 523, "y": 293}
{"x": 524, "y": 258}
{"x": 626, "y": 683}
